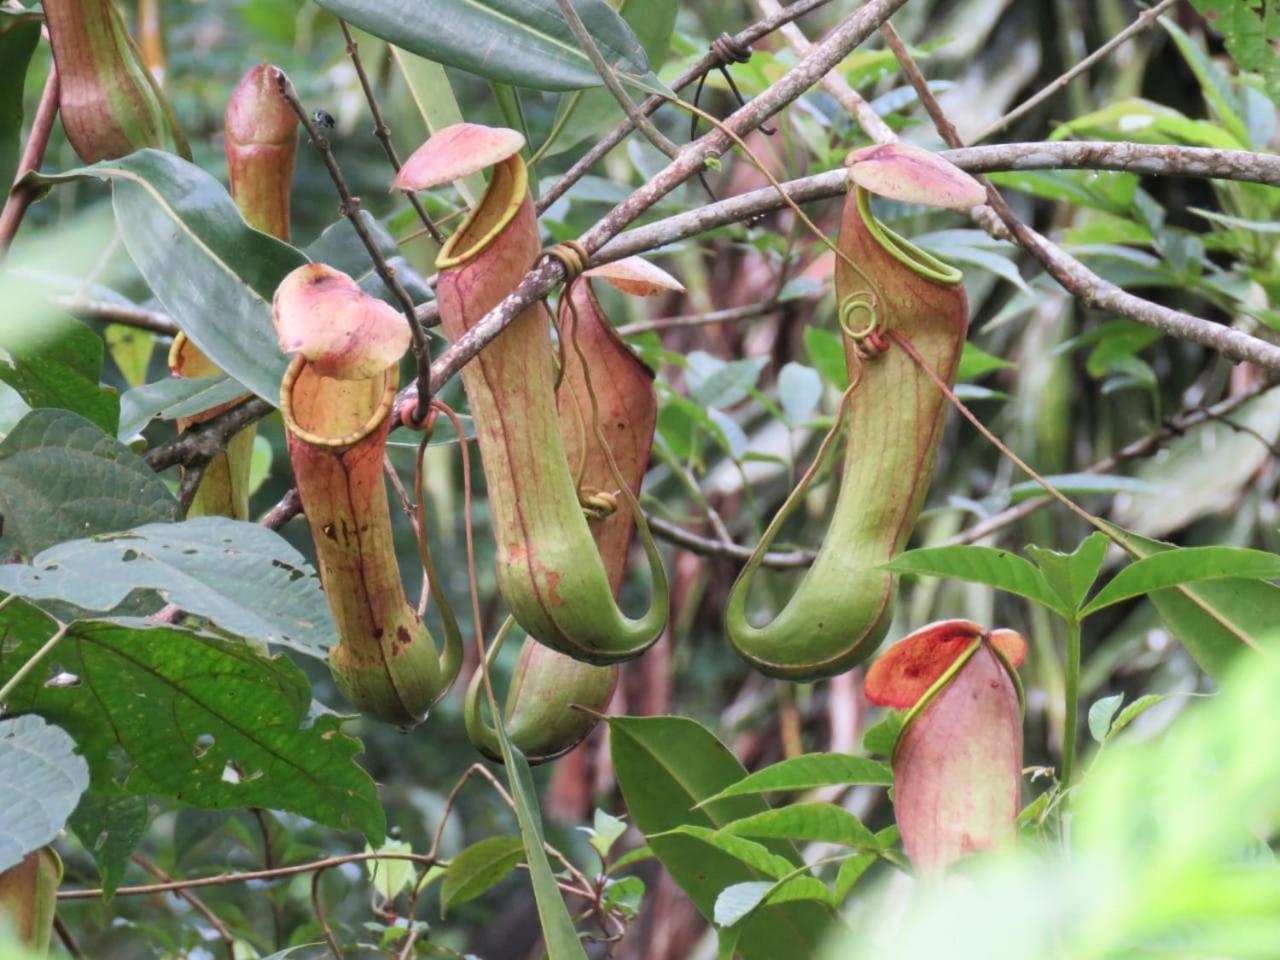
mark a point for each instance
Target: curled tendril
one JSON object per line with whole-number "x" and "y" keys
{"x": 597, "y": 504}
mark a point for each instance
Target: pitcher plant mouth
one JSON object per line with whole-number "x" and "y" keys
{"x": 346, "y": 411}
{"x": 894, "y": 414}
{"x": 494, "y": 213}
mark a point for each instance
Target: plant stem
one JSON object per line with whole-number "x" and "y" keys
{"x": 1071, "y": 713}
{"x": 15, "y": 206}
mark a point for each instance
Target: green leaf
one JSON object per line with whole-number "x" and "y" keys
{"x": 1082, "y": 485}
{"x": 41, "y": 780}
{"x": 341, "y": 248}
{"x": 665, "y": 767}
{"x": 882, "y": 738}
{"x": 850, "y": 872}
{"x": 1141, "y": 121}
{"x": 748, "y": 852}
{"x": 826, "y": 354}
{"x": 1214, "y": 83}
{"x": 739, "y": 901}
{"x": 390, "y": 876}
{"x": 61, "y": 477}
{"x": 976, "y": 362}
{"x": 62, "y": 372}
{"x": 716, "y": 383}
{"x": 799, "y": 389}
{"x": 605, "y": 831}
{"x": 1136, "y": 709}
{"x": 1072, "y": 574}
{"x": 171, "y": 398}
{"x": 525, "y": 43}
{"x": 213, "y": 273}
{"x": 131, "y": 349}
{"x": 19, "y": 36}
{"x": 1184, "y": 565}
{"x": 1249, "y": 37}
{"x": 478, "y": 868}
{"x": 110, "y": 826}
{"x": 625, "y": 894}
{"x": 186, "y": 715}
{"x": 996, "y": 568}
{"x": 432, "y": 94}
{"x": 823, "y": 822}
{"x": 1100, "y": 715}
{"x": 1110, "y": 192}
{"x": 557, "y": 926}
{"x": 1216, "y": 620}
{"x": 808, "y": 771}
{"x": 244, "y": 578}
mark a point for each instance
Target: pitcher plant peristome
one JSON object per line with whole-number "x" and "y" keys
{"x": 261, "y": 135}
{"x": 540, "y": 714}
{"x": 549, "y": 572}
{"x": 336, "y": 403}
{"x": 843, "y": 605}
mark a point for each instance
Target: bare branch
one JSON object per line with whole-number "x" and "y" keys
{"x": 123, "y": 314}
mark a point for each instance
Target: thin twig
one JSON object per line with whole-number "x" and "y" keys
{"x": 201, "y": 441}
{"x": 707, "y": 63}
{"x": 349, "y": 207}
{"x": 709, "y": 547}
{"x": 21, "y": 674}
{"x": 1142, "y": 23}
{"x": 123, "y": 314}
{"x": 223, "y": 879}
{"x": 290, "y": 506}
{"x": 854, "y": 103}
{"x": 1092, "y": 290}
{"x": 317, "y": 909}
{"x": 197, "y": 904}
{"x": 18, "y": 199}
{"x": 382, "y": 133}
{"x": 746, "y": 312}
{"x": 68, "y": 939}
{"x": 1146, "y": 446}
{"x": 637, "y": 116}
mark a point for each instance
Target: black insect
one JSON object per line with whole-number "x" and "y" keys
{"x": 324, "y": 119}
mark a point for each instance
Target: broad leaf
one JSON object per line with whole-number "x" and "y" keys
{"x": 1100, "y": 715}
{"x": 340, "y": 247}
{"x": 525, "y": 43}
{"x": 666, "y": 766}
{"x": 173, "y": 397}
{"x": 244, "y": 578}
{"x": 213, "y": 273}
{"x": 1216, "y": 620}
{"x": 61, "y": 477}
{"x": 823, "y": 822}
{"x": 799, "y": 389}
{"x": 41, "y": 779}
{"x": 742, "y": 899}
{"x": 996, "y": 568}
{"x": 809, "y": 771}
{"x": 190, "y": 716}
{"x": 1184, "y": 565}
{"x": 478, "y": 868}
{"x": 62, "y": 372}
{"x": 110, "y": 826}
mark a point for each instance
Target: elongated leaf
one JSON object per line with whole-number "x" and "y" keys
{"x": 61, "y": 477}
{"x": 19, "y": 35}
{"x": 750, "y": 853}
{"x": 666, "y": 766}
{"x": 243, "y": 577}
{"x": 823, "y": 822}
{"x": 213, "y": 273}
{"x": 433, "y": 96}
{"x": 1082, "y": 485}
{"x": 1072, "y": 574}
{"x": 996, "y": 568}
{"x": 41, "y": 779}
{"x": 1185, "y": 565}
{"x": 186, "y": 715}
{"x": 62, "y": 373}
{"x": 742, "y": 899}
{"x": 340, "y": 247}
{"x": 809, "y": 771}
{"x": 1136, "y": 709}
{"x": 478, "y": 868}
{"x": 1100, "y": 714}
{"x": 1216, "y": 620}
{"x": 557, "y": 926}
{"x": 525, "y": 43}
{"x": 173, "y": 397}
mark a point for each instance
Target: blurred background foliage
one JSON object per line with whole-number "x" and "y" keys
{"x": 743, "y": 404}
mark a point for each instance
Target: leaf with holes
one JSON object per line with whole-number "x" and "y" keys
{"x": 193, "y": 717}
{"x": 41, "y": 779}
{"x": 244, "y": 578}
{"x": 525, "y": 43}
{"x": 213, "y": 273}
{"x": 61, "y": 477}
